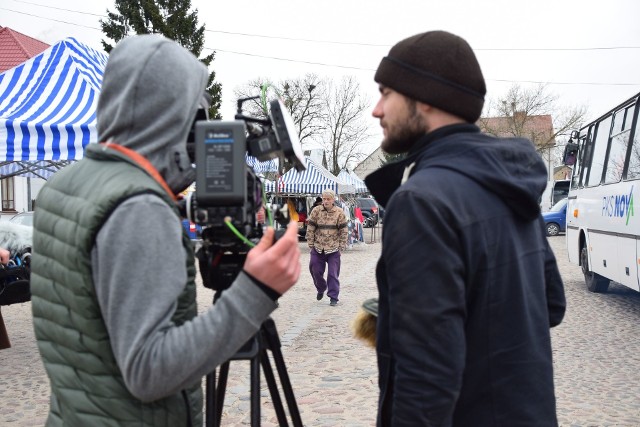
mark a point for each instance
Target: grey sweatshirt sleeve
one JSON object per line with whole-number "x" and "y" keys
{"x": 139, "y": 271}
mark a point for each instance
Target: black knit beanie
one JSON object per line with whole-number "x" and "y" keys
{"x": 439, "y": 69}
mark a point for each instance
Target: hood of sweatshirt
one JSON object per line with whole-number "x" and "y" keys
{"x": 509, "y": 167}
{"x": 151, "y": 90}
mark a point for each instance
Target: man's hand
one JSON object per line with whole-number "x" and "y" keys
{"x": 277, "y": 265}
{"x": 5, "y": 256}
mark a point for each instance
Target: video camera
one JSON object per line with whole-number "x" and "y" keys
{"x": 228, "y": 193}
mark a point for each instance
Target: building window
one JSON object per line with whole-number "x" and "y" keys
{"x": 8, "y": 199}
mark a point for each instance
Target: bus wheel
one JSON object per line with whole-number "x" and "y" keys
{"x": 595, "y": 282}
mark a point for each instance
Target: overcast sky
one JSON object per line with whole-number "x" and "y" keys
{"x": 588, "y": 51}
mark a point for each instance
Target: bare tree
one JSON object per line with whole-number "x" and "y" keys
{"x": 519, "y": 110}
{"x": 634, "y": 160}
{"x": 303, "y": 98}
{"x": 346, "y": 128}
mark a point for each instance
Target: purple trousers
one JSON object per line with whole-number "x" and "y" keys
{"x": 317, "y": 264}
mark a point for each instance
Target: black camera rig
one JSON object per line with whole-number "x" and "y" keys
{"x": 228, "y": 193}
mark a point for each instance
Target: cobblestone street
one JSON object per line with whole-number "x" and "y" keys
{"x": 334, "y": 376}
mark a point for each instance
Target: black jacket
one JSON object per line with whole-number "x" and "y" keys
{"x": 468, "y": 285}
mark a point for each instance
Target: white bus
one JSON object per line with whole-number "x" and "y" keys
{"x": 603, "y": 233}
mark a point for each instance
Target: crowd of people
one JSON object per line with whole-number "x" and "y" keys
{"x": 463, "y": 312}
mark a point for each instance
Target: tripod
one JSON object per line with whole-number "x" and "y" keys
{"x": 255, "y": 350}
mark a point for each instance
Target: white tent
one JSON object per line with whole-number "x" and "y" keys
{"x": 311, "y": 181}
{"x": 350, "y": 177}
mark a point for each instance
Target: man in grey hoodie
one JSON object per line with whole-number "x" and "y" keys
{"x": 113, "y": 271}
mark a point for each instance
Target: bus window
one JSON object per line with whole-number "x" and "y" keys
{"x": 584, "y": 159}
{"x": 633, "y": 171}
{"x": 577, "y": 168}
{"x": 599, "y": 151}
{"x": 634, "y": 161}
{"x": 619, "y": 144}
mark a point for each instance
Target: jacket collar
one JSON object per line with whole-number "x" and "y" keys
{"x": 386, "y": 180}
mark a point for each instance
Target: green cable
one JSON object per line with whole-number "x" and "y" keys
{"x": 238, "y": 234}
{"x": 266, "y": 208}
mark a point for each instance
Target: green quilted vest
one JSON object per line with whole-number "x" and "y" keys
{"x": 86, "y": 382}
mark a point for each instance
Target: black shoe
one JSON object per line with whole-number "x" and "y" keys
{"x": 319, "y": 296}
{"x": 333, "y": 302}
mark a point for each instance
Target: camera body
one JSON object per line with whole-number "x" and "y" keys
{"x": 225, "y": 185}
{"x": 228, "y": 193}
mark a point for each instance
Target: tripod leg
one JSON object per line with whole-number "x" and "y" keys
{"x": 210, "y": 405}
{"x": 255, "y": 391}
{"x": 215, "y": 400}
{"x": 219, "y": 395}
{"x": 273, "y": 389}
{"x": 273, "y": 343}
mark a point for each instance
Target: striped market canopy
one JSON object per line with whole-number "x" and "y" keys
{"x": 351, "y": 178}
{"x": 48, "y": 105}
{"x": 311, "y": 181}
{"x": 262, "y": 167}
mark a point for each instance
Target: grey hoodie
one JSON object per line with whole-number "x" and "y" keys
{"x": 150, "y": 93}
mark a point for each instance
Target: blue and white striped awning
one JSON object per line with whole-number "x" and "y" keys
{"x": 262, "y": 167}
{"x": 351, "y": 178}
{"x": 311, "y": 181}
{"x": 48, "y": 104}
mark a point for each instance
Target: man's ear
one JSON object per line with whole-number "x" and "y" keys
{"x": 423, "y": 108}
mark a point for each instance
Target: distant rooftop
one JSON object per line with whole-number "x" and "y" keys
{"x": 538, "y": 128}
{"x": 16, "y": 48}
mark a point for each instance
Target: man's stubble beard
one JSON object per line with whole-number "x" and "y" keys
{"x": 401, "y": 137}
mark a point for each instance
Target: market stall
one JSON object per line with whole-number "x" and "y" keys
{"x": 48, "y": 109}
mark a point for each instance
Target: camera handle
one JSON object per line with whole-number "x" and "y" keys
{"x": 255, "y": 350}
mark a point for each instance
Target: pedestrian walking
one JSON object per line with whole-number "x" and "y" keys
{"x": 327, "y": 238}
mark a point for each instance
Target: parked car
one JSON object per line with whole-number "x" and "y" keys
{"x": 556, "y": 218}
{"x": 370, "y": 210}
{"x": 23, "y": 218}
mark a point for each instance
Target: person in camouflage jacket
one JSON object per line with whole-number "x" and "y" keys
{"x": 327, "y": 237}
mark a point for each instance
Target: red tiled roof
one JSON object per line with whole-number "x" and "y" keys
{"x": 538, "y": 128}
{"x": 16, "y": 48}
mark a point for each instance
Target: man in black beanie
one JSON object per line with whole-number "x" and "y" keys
{"x": 468, "y": 285}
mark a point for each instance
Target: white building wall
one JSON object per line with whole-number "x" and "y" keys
{"x": 370, "y": 164}
{"x": 22, "y": 193}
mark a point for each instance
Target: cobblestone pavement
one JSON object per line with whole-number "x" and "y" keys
{"x": 334, "y": 376}
{"x": 596, "y": 352}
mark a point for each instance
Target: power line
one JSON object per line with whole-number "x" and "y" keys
{"x": 264, "y": 36}
{"x": 565, "y": 83}
{"x": 373, "y": 70}
{"x": 59, "y": 8}
{"x": 339, "y": 65}
{"x": 51, "y": 19}
{"x": 510, "y": 49}
{"x": 298, "y": 39}
{"x": 290, "y": 60}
